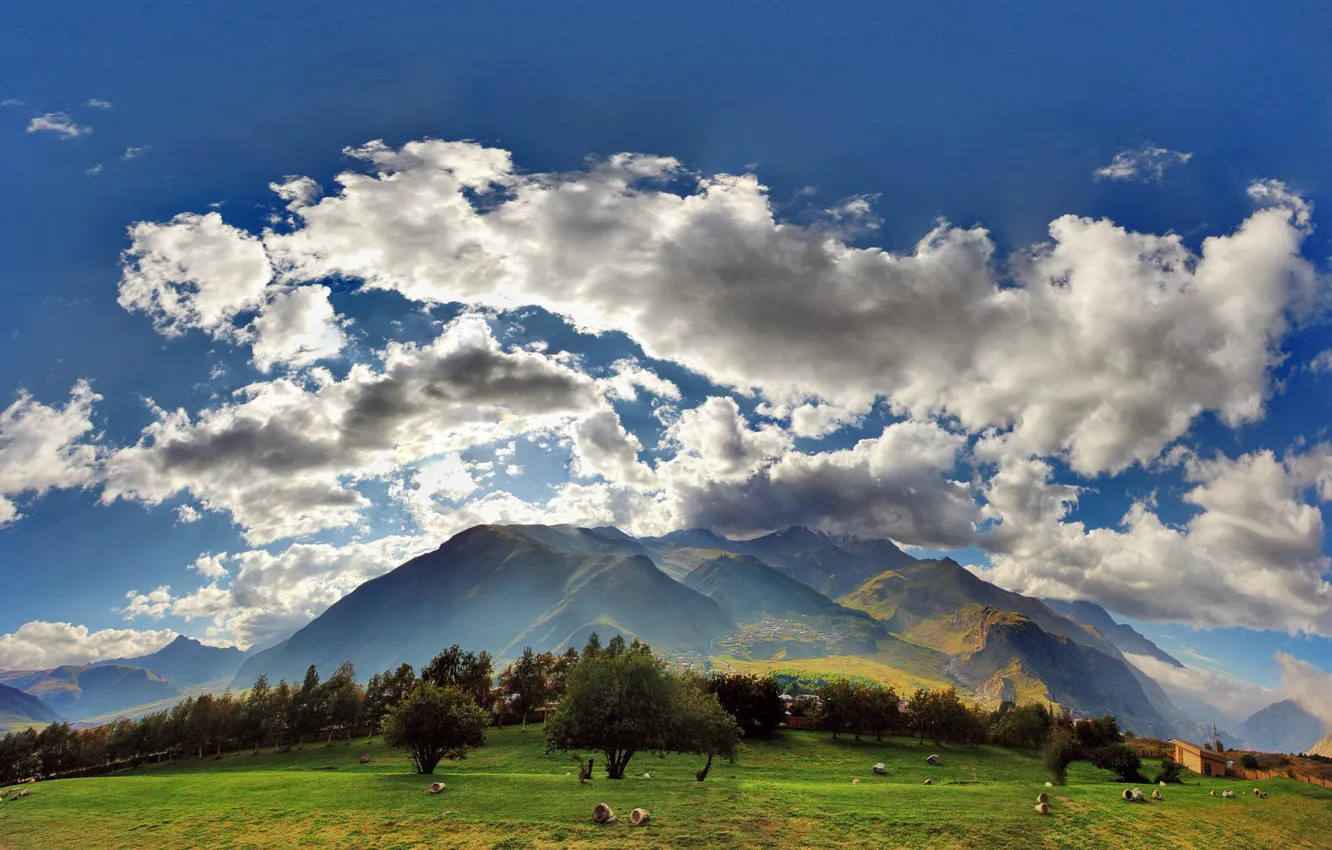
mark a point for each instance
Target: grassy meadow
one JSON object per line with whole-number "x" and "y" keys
{"x": 795, "y": 791}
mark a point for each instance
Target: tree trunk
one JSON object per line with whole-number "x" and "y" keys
{"x": 617, "y": 763}
{"x": 703, "y": 774}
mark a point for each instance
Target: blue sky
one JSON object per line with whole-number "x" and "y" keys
{"x": 868, "y": 122}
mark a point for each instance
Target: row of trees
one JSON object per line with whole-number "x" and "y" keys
{"x": 861, "y": 708}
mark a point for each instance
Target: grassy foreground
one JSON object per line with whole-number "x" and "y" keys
{"x": 795, "y": 792}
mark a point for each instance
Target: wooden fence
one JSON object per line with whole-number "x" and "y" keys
{"x": 1280, "y": 773}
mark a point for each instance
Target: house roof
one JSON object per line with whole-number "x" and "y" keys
{"x": 1194, "y": 748}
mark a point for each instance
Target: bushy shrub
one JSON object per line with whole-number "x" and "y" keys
{"x": 1120, "y": 759}
{"x": 1248, "y": 761}
{"x": 1060, "y": 749}
{"x": 1170, "y": 770}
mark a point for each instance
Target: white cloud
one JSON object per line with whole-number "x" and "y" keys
{"x": 1107, "y": 346}
{"x": 285, "y": 461}
{"x": 187, "y": 514}
{"x": 96, "y": 169}
{"x": 193, "y": 272}
{"x": 1146, "y": 164}
{"x": 1322, "y": 362}
{"x": 12, "y": 101}
{"x": 155, "y": 603}
{"x": 97, "y": 103}
{"x": 210, "y": 566}
{"x": 273, "y": 594}
{"x": 1232, "y": 697}
{"x": 38, "y": 644}
{"x": 44, "y": 448}
{"x": 59, "y": 123}
{"x": 602, "y": 446}
{"x": 134, "y": 152}
{"x": 629, "y": 377}
{"x": 1307, "y": 685}
{"x": 1252, "y": 557}
{"x": 295, "y": 328}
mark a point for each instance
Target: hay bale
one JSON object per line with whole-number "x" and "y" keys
{"x": 855, "y": 781}
{"x": 1212, "y": 793}
{"x": 1156, "y": 795}
{"x": 880, "y": 769}
{"x": 1049, "y": 785}
{"x": 603, "y": 814}
{"x": 1162, "y": 784}
{"x": 638, "y": 817}
{"x": 1132, "y": 795}
{"x": 933, "y": 759}
{"x": 436, "y": 787}
{"x": 1229, "y": 795}
{"x": 929, "y": 781}
{"x": 365, "y": 758}
{"x": 1257, "y": 793}
{"x": 1042, "y": 797}
{"x": 1042, "y": 809}
{"x": 647, "y": 776}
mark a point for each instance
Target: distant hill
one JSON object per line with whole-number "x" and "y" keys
{"x": 186, "y": 661}
{"x": 1123, "y": 636}
{"x": 748, "y": 589}
{"x": 1282, "y": 727}
{"x": 77, "y": 692}
{"x": 500, "y": 588}
{"x": 1322, "y": 748}
{"x": 19, "y": 709}
{"x": 831, "y": 564}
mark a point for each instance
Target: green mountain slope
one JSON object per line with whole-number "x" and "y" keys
{"x": 77, "y": 692}
{"x": 1123, "y": 636}
{"x": 499, "y": 588}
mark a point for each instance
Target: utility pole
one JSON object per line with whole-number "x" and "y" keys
{"x": 1216, "y": 743}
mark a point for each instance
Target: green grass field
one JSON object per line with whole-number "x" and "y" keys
{"x": 794, "y": 792}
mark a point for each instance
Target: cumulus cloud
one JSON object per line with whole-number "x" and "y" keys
{"x": 284, "y": 461}
{"x": 195, "y": 271}
{"x": 155, "y": 603}
{"x": 1322, "y": 362}
{"x": 602, "y": 446}
{"x": 1252, "y": 556}
{"x": 39, "y": 644}
{"x": 270, "y": 595}
{"x": 1146, "y": 164}
{"x": 1308, "y": 685}
{"x": 59, "y": 123}
{"x": 296, "y": 327}
{"x": 629, "y": 376}
{"x": 97, "y": 103}
{"x": 1106, "y": 346}
{"x": 134, "y": 152}
{"x": 44, "y": 448}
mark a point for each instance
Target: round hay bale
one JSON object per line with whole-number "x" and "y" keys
{"x": 1127, "y": 795}
{"x": 1228, "y": 794}
{"x": 365, "y": 758}
{"x": 1042, "y": 809}
{"x": 1156, "y": 795}
{"x": 1049, "y": 785}
{"x": 880, "y": 769}
{"x": 1211, "y": 793}
{"x": 1042, "y": 797}
{"x": 855, "y": 781}
{"x": 638, "y": 817}
{"x": 929, "y": 781}
{"x": 1162, "y": 784}
{"x": 602, "y": 813}
{"x": 1257, "y": 793}
{"x": 647, "y": 776}
{"x": 933, "y": 759}
{"x": 436, "y": 787}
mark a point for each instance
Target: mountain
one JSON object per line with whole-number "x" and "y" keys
{"x": 78, "y": 692}
{"x": 831, "y": 564}
{"x": 1322, "y": 748}
{"x": 1282, "y": 727}
{"x": 500, "y": 588}
{"x": 19, "y": 709}
{"x": 186, "y": 661}
{"x": 1011, "y": 653}
{"x": 943, "y": 605}
{"x": 917, "y": 598}
{"x": 748, "y": 589}
{"x": 1122, "y": 635}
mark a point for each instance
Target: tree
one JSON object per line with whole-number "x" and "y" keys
{"x": 839, "y": 708}
{"x": 307, "y": 705}
{"x": 1171, "y": 770}
{"x": 756, "y": 704}
{"x": 1060, "y": 749}
{"x": 1122, "y": 760}
{"x": 468, "y": 671}
{"x": 341, "y": 698}
{"x": 1249, "y": 761}
{"x": 525, "y": 683}
{"x": 703, "y": 725}
{"x": 1023, "y": 726}
{"x": 1093, "y": 733}
{"x": 619, "y": 701}
{"x": 882, "y": 711}
{"x": 398, "y": 684}
{"x": 434, "y": 723}
{"x": 257, "y": 721}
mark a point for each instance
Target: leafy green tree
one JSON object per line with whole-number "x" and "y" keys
{"x": 618, "y": 701}
{"x": 257, "y": 721}
{"x": 1171, "y": 770}
{"x": 840, "y": 708}
{"x": 1061, "y": 747}
{"x": 434, "y": 723}
{"x": 308, "y": 706}
{"x": 703, "y": 725}
{"x": 471, "y": 672}
{"x": 525, "y": 683}
{"x": 341, "y": 698}
{"x": 398, "y": 684}
{"x": 1248, "y": 761}
{"x": 755, "y": 703}
{"x": 1025, "y": 726}
{"x": 882, "y": 712}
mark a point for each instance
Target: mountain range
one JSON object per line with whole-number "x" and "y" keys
{"x": 500, "y": 588}
{"x": 1282, "y": 727}
{"x": 79, "y": 692}
{"x": 186, "y": 661}
{"x": 19, "y": 709}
